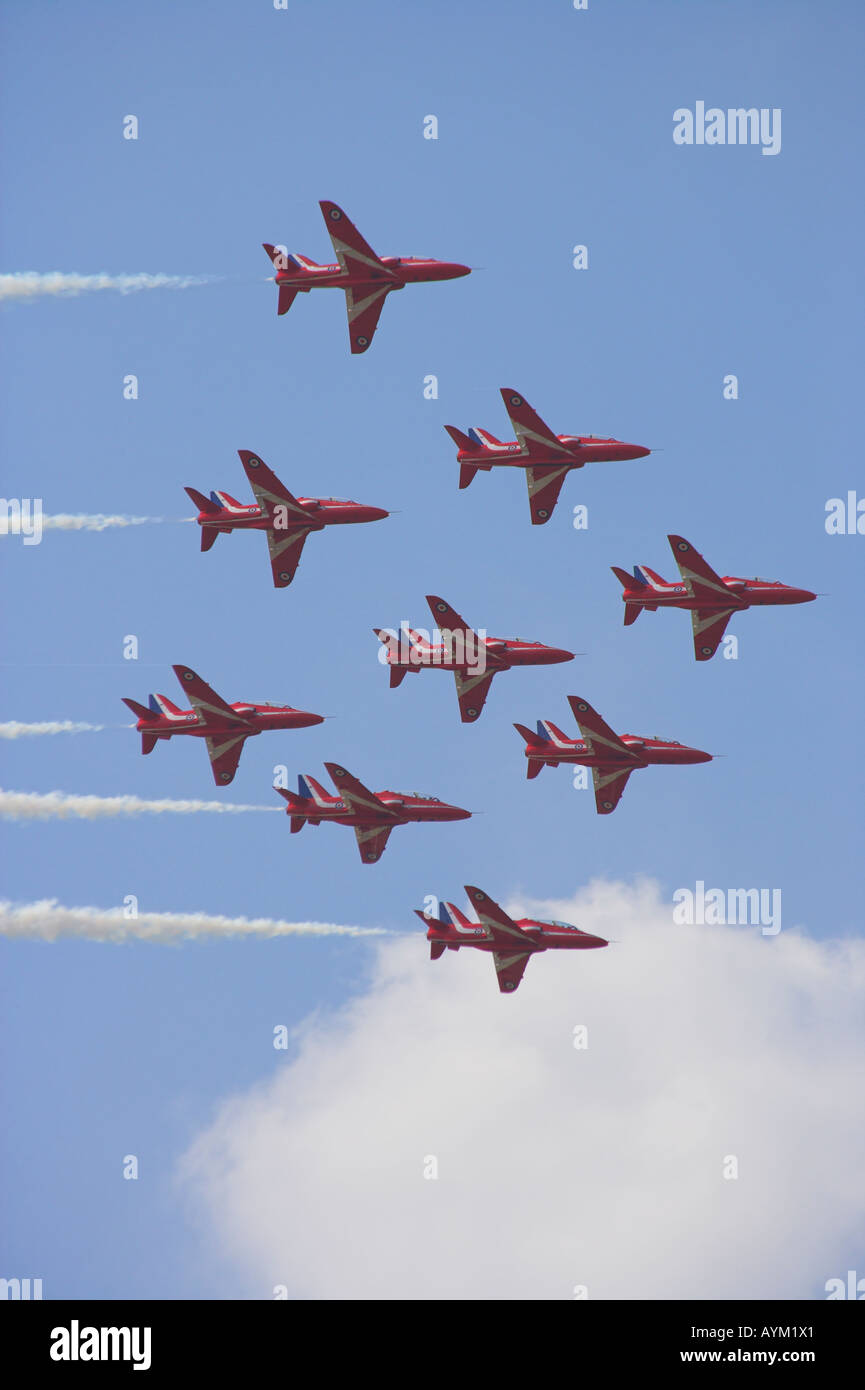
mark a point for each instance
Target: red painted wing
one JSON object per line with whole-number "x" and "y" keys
{"x": 364, "y": 306}
{"x": 544, "y": 484}
{"x": 210, "y": 707}
{"x": 609, "y": 785}
{"x": 510, "y": 969}
{"x": 354, "y": 254}
{"x": 700, "y": 579}
{"x": 600, "y": 738}
{"x": 358, "y": 798}
{"x": 496, "y": 922}
{"x": 709, "y": 627}
{"x": 224, "y": 753}
{"x": 371, "y": 841}
{"x": 285, "y": 551}
{"x": 472, "y": 692}
{"x": 535, "y": 436}
{"x": 270, "y": 493}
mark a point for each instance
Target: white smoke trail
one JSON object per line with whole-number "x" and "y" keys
{"x": 63, "y": 806}
{"x": 14, "y": 729}
{"x": 49, "y": 921}
{"x": 11, "y": 525}
{"x": 33, "y": 284}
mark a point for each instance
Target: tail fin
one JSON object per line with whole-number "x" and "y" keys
{"x": 311, "y": 790}
{"x": 481, "y": 438}
{"x": 649, "y": 578}
{"x": 160, "y": 704}
{"x": 461, "y": 440}
{"x": 204, "y": 504}
{"x": 140, "y": 711}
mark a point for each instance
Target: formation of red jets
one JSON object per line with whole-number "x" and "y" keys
{"x": 473, "y": 657}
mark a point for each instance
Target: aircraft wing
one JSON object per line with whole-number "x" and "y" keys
{"x": 510, "y": 969}
{"x": 544, "y": 486}
{"x": 371, "y": 841}
{"x": 224, "y": 753}
{"x": 534, "y": 435}
{"x": 355, "y": 255}
{"x": 709, "y": 627}
{"x": 609, "y": 786}
{"x": 699, "y": 578}
{"x": 357, "y": 797}
{"x": 600, "y": 738}
{"x": 209, "y": 706}
{"x": 448, "y": 620}
{"x": 285, "y": 549}
{"x": 472, "y": 691}
{"x": 496, "y": 922}
{"x": 270, "y": 492}
{"x": 364, "y": 306}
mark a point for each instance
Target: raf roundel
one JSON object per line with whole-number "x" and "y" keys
{"x": 187, "y": 675}
{"x": 608, "y": 805}
{"x": 472, "y": 712}
{"x": 441, "y": 607}
{"x": 254, "y": 462}
{"x": 542, "y": 512}
{"x": 582, "y": 707}
{"x": 362, "y": 342}
{"x": 706, "y": 651}
{"x": 284, "y": 574}
{"x": 340, "y": 771}
{"x": 683, "y": 545}
{"x": 226, "y": 776}
{"x": 335, "y": 214}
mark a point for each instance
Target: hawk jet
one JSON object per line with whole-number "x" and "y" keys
{"x": 511, "y": 942}
{"x": 612, "y": 757}
{"x": 367, "y": 279}
{"x": 473, "y": 658}
{"x": 546, "y": 457}
{"x": 712, "y": 601}
{"x": 372, "y": 815}
{"x": 224, "y": 727}
{"x": 286, "y": 520}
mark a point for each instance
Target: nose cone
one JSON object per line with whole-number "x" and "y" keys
{"x": 451, "y": 270}
{"x": 696, "y": 755}
{"x": 552, "y": 655}
{"x": 456, "y": 813}
{"x": 374, "y": 513}
{"x": 636, "y": 451}
{"x": 801, "y": 596}
{"x": 303, "y": 719}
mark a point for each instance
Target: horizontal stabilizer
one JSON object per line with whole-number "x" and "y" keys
{"x": 467, "y": 473}
{"x": 148, "y": 742}
{"x": 632, "y": 613}
{"x": 208, "y": 536}
{"x": 204, "y": 504}
{"x": 461, "y": 440}
{"x": 140, "y": 711}
{"x": 529, "y": 736}
{"x": 287, "y": 296}
{"x": 628, "y": 581}
{"x": 397, "y": 674}
{"x": 436, "y": 949}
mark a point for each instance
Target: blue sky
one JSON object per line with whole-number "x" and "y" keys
{"x": 555, "y": 128}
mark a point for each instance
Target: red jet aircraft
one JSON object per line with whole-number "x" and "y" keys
{"x": 612, "y": 757}
{"x": 546, "y": 457}
{"x": 286, "y": 520}
{"x": 225, "y": 727}
{"x": 511, "y": 942}
{"x": 712, "y": 600}
{"x": 372, "y": 815}
{"x": 473, "y": 659}
{"x": 366, "y": 278}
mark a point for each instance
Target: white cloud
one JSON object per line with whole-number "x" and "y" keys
{"x": 558, "y": 1167}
